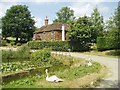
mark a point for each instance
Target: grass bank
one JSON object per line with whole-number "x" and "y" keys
{"x": 77, "y": 75}
{"x": 108, "y": 53}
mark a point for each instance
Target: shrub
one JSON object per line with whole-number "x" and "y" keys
{"x": 22, "y": 52}
{"x": 106, "y": 43}
{"x": 114, "y": 53}
{"x": 12, "y": 43}
{"x": 59, "y": 45}
{"x": 4, "y": 43}
{"x": 41, "y": 56}
{"x": 18, "y": 44}
{"x": 8, "y": 54}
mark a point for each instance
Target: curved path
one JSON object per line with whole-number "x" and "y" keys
{"x": 111, "y": 79}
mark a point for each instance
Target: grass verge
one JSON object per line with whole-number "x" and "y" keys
{"x": 74, "y": 77}
{"x": 109, "y": 53}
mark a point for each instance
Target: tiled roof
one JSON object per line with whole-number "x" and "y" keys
{"x": 50, "y": 27}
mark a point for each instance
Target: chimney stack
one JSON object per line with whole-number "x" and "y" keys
{"x": 46, "y": 21}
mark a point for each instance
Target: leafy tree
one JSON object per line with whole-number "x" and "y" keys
{"x": 64, "y": 15}
{"x": 97, "y": 23}
{"x": 113, "y": 27}
{"x": 0, "y": 25}
{"x": 80, "y": 30}
{"x": 18, "y": 23}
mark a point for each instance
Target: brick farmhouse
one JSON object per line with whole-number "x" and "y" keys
{"x": 55, "y": 31}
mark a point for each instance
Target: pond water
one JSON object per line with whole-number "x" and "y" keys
{"x": 28, "y": 72}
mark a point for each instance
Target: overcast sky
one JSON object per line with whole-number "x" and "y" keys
{"x": 42, "y": 8}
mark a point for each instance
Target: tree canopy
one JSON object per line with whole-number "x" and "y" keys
{"x": 97, "y": 23}
{"x": 18, "y": 23}
{"x": 0, "y": 26}
{"x": 64, "y": 15}
{"x": 113, "y": 27}
{"x": 80, "y": 30}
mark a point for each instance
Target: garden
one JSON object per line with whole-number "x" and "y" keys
{"x": 26, "y": 69}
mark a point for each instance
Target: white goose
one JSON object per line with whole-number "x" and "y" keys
{"x": 89, "y": 62}
{"x": 52, "y": 78}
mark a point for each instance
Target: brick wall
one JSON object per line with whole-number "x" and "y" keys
{"x": 51, "y": 35}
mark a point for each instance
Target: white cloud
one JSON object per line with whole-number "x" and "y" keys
{"x": 82, "y": 9}
{"x": 86, "y": 8}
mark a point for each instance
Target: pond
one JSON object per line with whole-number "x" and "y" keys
{"x": 20, "y": 68}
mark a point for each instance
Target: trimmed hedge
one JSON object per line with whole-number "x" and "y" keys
{"x": 59, "y": 45}
{"x": 106, "y": 43}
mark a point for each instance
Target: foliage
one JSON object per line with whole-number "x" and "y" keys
{"x": 80, "y": 71}
{"x": 22, "y": 52}
{"x": 0, "y": 23}
{"x": 80, "y": 30}
{"x": 12, "y": 43}
{"x": 4, "y": 43}
{"x": 59, "y": 45}
{"x": 64, "y": 73}
{"x": 18, "y": 23}
{"x": 113, "y": 29}
{"x": 18, "y": 65}
{"x": 64, "y": 15}
{"x": 41, "y": 56}
{"x": 14, "y": 67}
{"x": 106, "y": 43}
{"x": 97, "y": 24}
{"x": 18, "y": 44}
{"x": 113, "y": 53}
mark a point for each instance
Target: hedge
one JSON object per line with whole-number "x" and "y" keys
{"x": 59, "y": 45}
{"x": 106, "y": 43}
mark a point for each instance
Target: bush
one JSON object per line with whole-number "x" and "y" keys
{"x": 114, "y": 53}
{"x": 22, "y": 52}
{"x": 59, "y": 45}
{"x": 18, "y": 44}
{"x": 12, "y": 43}
{"x": 41, "y": 56}
{"x": 106, "y": 43}
{"x": 4, "y": 43}
{"x": 8, "y": 54}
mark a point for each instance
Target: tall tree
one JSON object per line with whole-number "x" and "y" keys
{"x": 80, "y": 30}
{"x": 64, "y": 15}
{"x": 0, "y": 26}
{"x": 113, "y": 28}
{"x": 97, "y": 23}
{"x": 18, "y": 23}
